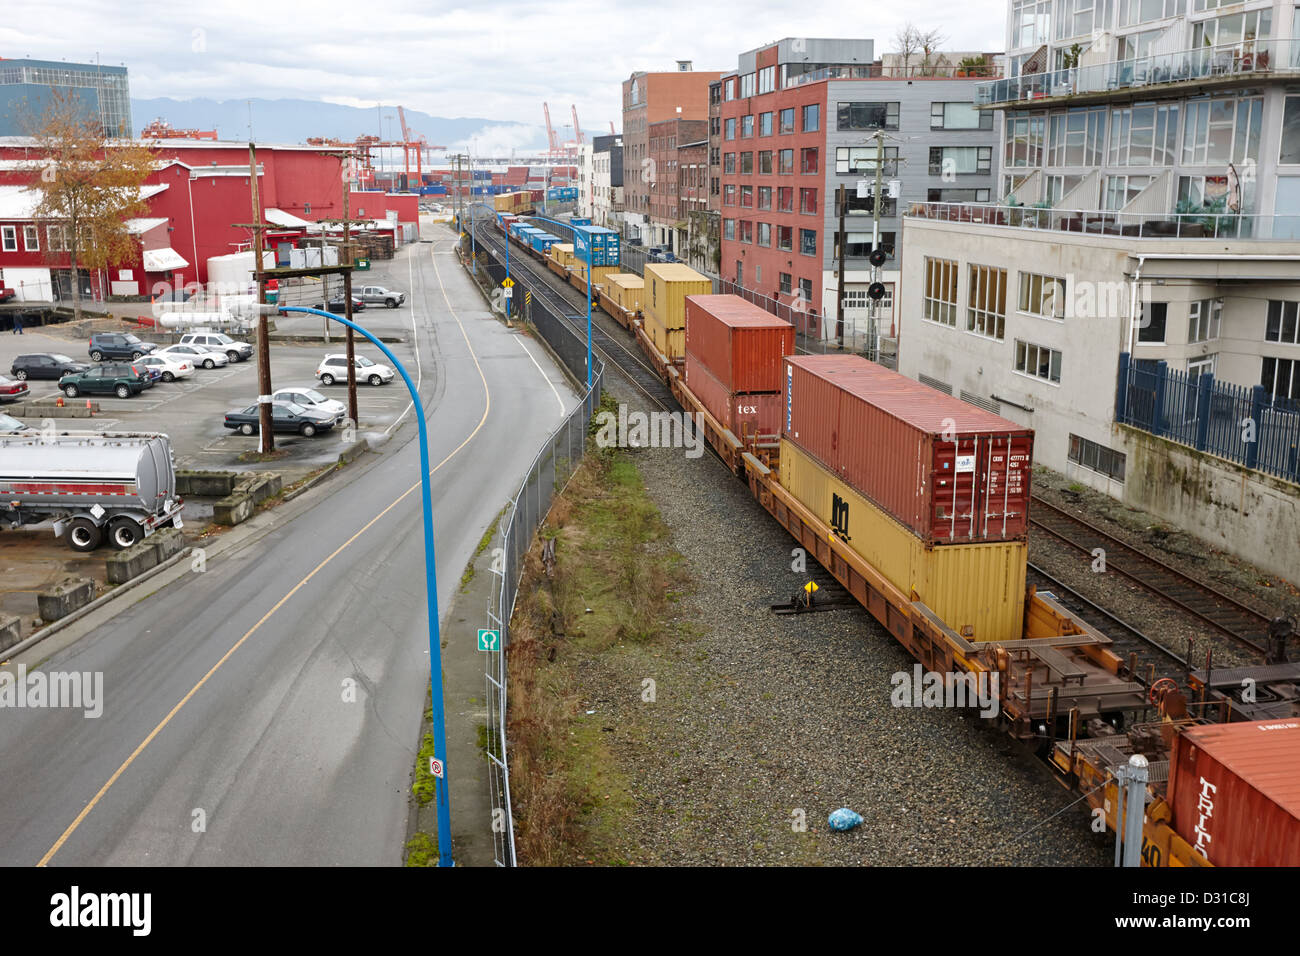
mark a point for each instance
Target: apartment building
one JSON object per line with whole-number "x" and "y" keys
{"x": 102, "y": 91}
{"x": 650, "y": 98}
{"x": 607, "y": 179}
{"x": 799, "y": 121}
{"x": 667, "y": 225}
{"x": 586, "y": 179}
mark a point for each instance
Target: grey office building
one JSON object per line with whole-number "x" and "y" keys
{"x": 26, "y": 91}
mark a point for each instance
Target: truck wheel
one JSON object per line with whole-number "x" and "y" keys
{"x": 391, "y": 303}
{"x": 124, "y": 532}
{"x": 233, "y": 356}
{"x": 84, "y": 535}
{"x": 307, "y": 429}
{"x": 70, "y": 391}
{"x": 122, "y": 391}
{"x": 246, "y": 429}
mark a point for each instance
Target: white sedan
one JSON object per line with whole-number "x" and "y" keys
{"x": 200, "y": 357}
{"x": 172, "y": 367}
{"x": 310, "y": 398}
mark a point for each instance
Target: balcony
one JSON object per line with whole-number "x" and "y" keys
{"x": 877, "y": 71}
{"x": 1206, "y": 67}
{"x": 1097, "y": 222}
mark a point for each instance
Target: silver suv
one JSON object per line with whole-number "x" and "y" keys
{"x": 378, "y": 295}
{"x": 219, "y": 342}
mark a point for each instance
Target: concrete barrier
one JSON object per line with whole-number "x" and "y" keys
{"x": 62, "y": 599}
{"x": 75, "y": 408}
{"x": 134, "y": 561}
{"x": 10, "y": 631}
{"x": 261, "y": 486}
{"x": 207, "y": 484}
{"x": 233, "y": 509}
{"x": 167, "y": 542}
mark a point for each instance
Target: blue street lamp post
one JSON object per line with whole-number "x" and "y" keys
{"x": 431, "y": 589}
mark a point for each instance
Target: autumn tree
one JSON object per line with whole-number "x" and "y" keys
{"x": 89, "y": 186}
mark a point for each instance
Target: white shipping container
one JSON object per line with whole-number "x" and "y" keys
{"x": 234, "y": 272}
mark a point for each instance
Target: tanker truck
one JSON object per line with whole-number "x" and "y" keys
{"x": 94, "y": 487}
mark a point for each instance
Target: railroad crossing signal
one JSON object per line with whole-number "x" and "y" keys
{"x": 489, "y": 640}
{"x": 507, "y": 282}
{"x": 435, "y": 767}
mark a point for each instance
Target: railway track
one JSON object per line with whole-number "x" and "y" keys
{"x": 1224, "y": 614}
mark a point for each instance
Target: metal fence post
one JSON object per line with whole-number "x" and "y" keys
{"x": 1158, "y": 399}
{"x": 1205, "y": 384}
{"x": 1121, "y": 391}
{"x": 1257, "y": 417}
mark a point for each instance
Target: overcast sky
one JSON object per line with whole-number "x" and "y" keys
{"x": 493, "y": 58}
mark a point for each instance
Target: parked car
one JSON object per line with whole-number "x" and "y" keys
{"x": 48, "y": 365}
{"x": 108, "y": 379}
{"x": 118, "y": 345}
{"x": 219, "y": 342}
{"x": 378, "y": 295}
{"x": 6, "y": 293}
{"x": 169, "y": 367}
{"x": 200, "y": 356}
{"x": 335, "y": 305}
{"x": 12, "y": 389}
{"x": 334, "y": 368}
{"x": 285, "y": 417}
{"x": 310, "y": 398}
{"x": 10, "y": 424}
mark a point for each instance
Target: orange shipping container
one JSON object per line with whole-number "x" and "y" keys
{"x": 741, "y": 344}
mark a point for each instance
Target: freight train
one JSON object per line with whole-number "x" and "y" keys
{"x": 917, "y": 503}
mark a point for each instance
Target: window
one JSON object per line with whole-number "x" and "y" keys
{"x": 857, "y": 245}
{"x": 786, "y": 162}
{"x": 1119, "y": 191}
{"x": 785, "y": 199}
{"x": 1281, "y": 378}
{"x": 729, "y": 88}
{"x": 1030, "y": 22}
{"x": 764, "y": 197}
{"x": 940, "y": 299}
{"x": 1023, "y": 140}
{"x": 807, "y": 201}
{"x": 807, "y": 242}
{"x": 1144, "y": 11}
{"x": 861, "y": 206}
{"x": 805, "y": 289}
{"x": 1282, "y": 325}
{"x": 764, "y": 124}
{"x": 1204, "y": 318}
{"x": 747, "y": 126}
{"x": 746, "y": 164}
{"x": 1151, "y": 327}
{"x": 857, "y": 298}
{"x": 767, "y": 79}
{"x": 812, "y": 118}
{"x": 1290, "y": 149}
{"x": 1042, "y": 295}
{"x": 1076, "y": 138}
{"x": 1222, "y": 130}
{"x": 956, "y": 195}
{"x": 1143, "y": 135}
{"x": 31, "y": 239}
{"x": 729, "y": 163}
{"x": 960, "y": 160}
{"x": 729, "y": 194}
{"x": 1237, "y": 28}
{"x": 867, "y": 116}
{"x": 784, "y": 280}
{"x": 747, "y": 196}
{"x": 785, "y": 238}
{"x": 729, "y": 229}
{"x": 986, "y": 311}
{"x": 715, "y": 186}
{"x": 1038, "y": 361}
{"x": 765, "y": 163}
{"x": 730, "y": 126}
{"x": 787, "y": 120}
{"x": 1098, "y": 458}
{"x": 765, "y": 234}
{"x": 808, "y": 160}
{"x": 9, "y": 238}
{"x": 747, "y": 86}
{"x": 746, "y": 231}
{"x": 862, "y": 159}
{"x": 959, "y": 116}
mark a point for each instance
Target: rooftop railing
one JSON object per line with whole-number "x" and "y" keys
{"x": 1100, "y": 222}
{"x": 1224, "y": 62}
{"x": 876, "y": 71}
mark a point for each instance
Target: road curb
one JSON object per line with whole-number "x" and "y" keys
{"x": 51, "y": 629}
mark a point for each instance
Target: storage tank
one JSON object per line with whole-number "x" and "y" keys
{"x": 77, "y": 470}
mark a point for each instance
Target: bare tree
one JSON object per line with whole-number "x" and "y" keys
{"x": 908, "y": 43}
{"x": 930, "y": 41}
{"x": 88, "y": 185}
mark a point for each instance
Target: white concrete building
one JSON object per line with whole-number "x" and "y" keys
{"x": 585, "y": 180}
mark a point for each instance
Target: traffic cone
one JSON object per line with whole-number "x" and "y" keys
{"x": 59, "y": 403}
{"x": 88, "y": 408}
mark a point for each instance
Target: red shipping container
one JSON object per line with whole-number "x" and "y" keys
{"x": 746, "y": 415}
{"x": 1235, "y": 792}
{"x": 953, "y": 473}
{"x": 741, "y": 344}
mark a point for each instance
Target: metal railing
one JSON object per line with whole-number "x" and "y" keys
{"x": 1206, "y": 224}
{"x": 1225, "y": 62}
{"x": 877, "y": 71}
{"x": 1242, "y": 424}
{"x": 549, "y": 472}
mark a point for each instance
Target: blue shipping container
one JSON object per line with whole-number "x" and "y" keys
{"x": 579, "y": 222}
{"x": 603, "y": 245}
{"x": 542, "y": 241}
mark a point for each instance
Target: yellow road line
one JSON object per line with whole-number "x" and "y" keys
{"x": 72, "y": 827}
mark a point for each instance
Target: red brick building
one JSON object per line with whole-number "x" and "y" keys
{"x": 666, "y": 140}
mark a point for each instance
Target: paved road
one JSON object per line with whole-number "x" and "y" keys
{"x": 282, "y": 769}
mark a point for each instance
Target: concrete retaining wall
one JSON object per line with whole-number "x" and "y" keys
{"x": 75, "y": 408}
{"x": 1246, "y": 513}
{"x": 62, "y": 599}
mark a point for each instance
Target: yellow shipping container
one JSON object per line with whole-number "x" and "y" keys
{"x": 667, "y": 284}
{"x": 978, "y": 590}
{"x": 672, "y": 342}
{"x": 598, "y": 275}
{"x": 625, "y": 289}
{"x": 562, "y": 252}
{"x": 504, "y": 202}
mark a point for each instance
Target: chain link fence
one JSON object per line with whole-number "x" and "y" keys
{"x": 548, "y": 474}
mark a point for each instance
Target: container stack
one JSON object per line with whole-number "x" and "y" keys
{"x": 663, "y": 304}
{"x": 624, "y": 290}
{"x": 931, "y": 491}
{"x": 734, "y": 363}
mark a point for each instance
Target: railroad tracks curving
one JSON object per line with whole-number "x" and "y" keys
{"x": 1226, "y": 615}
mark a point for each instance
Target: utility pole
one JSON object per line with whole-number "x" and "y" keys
{"x": 267, "y": 441}
{"x": 875, "y": 243}
{"x": 347, "y": 306}
{"x": 842, "y": 198}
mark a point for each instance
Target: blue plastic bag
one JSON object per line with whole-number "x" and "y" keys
{"x": 844, "y": 819}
